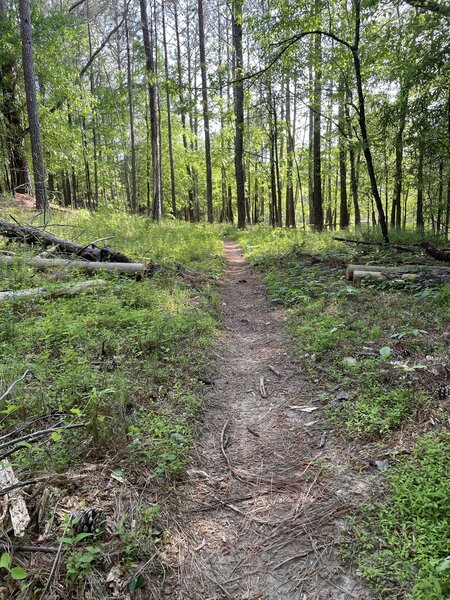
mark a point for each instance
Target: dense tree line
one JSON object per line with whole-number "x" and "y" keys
{"x": 323, "y": 115}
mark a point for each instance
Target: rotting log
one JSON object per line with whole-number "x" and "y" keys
{"x": 90, "y": 266}
{"x": 31, "y": 235}
{"x": 380, "y": 276}
{"x": 436, "y": 253}
{"x": 64, "y": 290}
{"x": 351, "y": 268}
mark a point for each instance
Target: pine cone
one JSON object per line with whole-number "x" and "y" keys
{"x": 91, "y": 520}
{"x": 443, "y": 392}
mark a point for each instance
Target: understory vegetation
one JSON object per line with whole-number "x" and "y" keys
{"x": 377, "y": 353}
{"x": 115, "y": 375}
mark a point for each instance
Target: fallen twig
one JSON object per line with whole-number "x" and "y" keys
{"x": 274, "y": 371}
{"x": 225, "y": 455}
{"x": 252, "y": 431}
{"x": 14, "y": 383}
{"x": 44, "y": 549}
{"x": 262, "y": 387}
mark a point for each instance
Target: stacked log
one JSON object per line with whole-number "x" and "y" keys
{"x": 357, "y": 273}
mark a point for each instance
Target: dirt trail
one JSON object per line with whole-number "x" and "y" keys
{"x": 264, "y": 525}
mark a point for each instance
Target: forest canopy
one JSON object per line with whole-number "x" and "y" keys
{"x": 324, "y": 115}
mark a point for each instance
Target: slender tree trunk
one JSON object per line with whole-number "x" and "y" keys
{"x": 133, "y": 198}
{"x": 209, "y": 185}
{"x": 344, "y": 215}
{"x": 351, "y": 151}
{"x": 153, "y": 114}
{"x": 290, "y": 207}
{"x": 169, "y": 115}
{"x": 183, "y": 110}
{"x": 32, "y": 106}
{"x": 238, "y": 87}
{"x": 363, "y": 125}
{"x": 396, "y": 213}
{"x": 419, "y": 211}
{"x": 94, "y": 202}
{"x": 311, "y": 133}
{"x": 317, "y": 105}
{"x": 440, "y": 197}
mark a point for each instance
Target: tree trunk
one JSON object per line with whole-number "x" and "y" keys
{"x": 290, "y": 207}
{"x": 209, "y": 184}
{"x": 344, "y": 216}
{"x": 32, "y": 106}
{"x": 396, "y": 213}
{"x": 317, "y": 107}
{"x": 18, "y": 180}
{"x": 183, "y": 110}
{"x": 419, "y": 210}
{"x": 133, "y": 198}
{"x": 238, "y": 87}
{"x": 363, "y": 126}
{"x": 156, "y": 211}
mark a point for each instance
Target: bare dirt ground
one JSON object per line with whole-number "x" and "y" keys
{"x": 269, "y": 485}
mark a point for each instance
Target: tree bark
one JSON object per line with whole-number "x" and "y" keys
{"x": 32, "y": 105}
{"x": 363, "y": 126}
{"x": 344, "y": 215}
{"x": 317, "y": 107}
{"x": 209, "y": 184}
{"x": 419, "y": 210}
{"x": 156, "y": 209}
{"x": 169, "y": 115}
{"x": 290, "y": 207}
{"x": 396, "y": 213}
{"x": 238, "y": 87}
{"x": 133, "y": 197}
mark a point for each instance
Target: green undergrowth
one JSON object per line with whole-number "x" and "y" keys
{"x": 377, "y": 353}
{"x": 402, "y": 542}
{"x": 126, "y": 359}
{"x": 126, "y": 363}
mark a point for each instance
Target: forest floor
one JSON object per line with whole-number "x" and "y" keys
{"x": 267, "y": 430}
{"x": 269, "y": 484}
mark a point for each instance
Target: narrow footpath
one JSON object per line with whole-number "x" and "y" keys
{"x": 269, "y": 488}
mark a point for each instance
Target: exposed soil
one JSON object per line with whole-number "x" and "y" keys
{"x": 269, "y": 485}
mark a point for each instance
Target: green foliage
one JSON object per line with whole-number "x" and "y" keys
{"x": 125, "y": 359}
{"x": 403, "y": 541}
{"x": 16, "y": 573}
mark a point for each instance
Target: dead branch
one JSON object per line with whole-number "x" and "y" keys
{"x": 46, "y": 549}
{"x": 20, "y": 484}
{"x": 225, "y": 455}
{"x": 409, "y": 248}
{"x": 64, "y": 290}
{"x": 274, "y": 371}
{"x": 32, "y": 235}
{"x": 14, "y": 383}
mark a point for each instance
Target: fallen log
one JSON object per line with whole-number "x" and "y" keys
{"x": 90, "y": 266}
{"x": 424, "y": 277}
{"x": 32, "y": 235}
{"x": 140, "y": 269}
{"x": 351, "y": 268}
{"x": 64, "y": 290}
{"x": 436, "y": 253}
{"x": 410, "y": 248}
